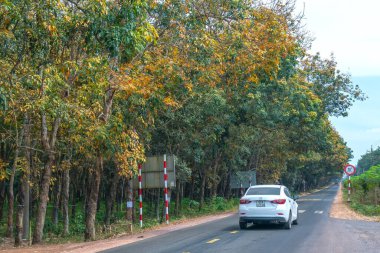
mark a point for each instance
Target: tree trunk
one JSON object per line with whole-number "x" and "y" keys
{"x": 227, "y": 191}
{"x": 93, "y": 200}
{"x": 23, "y": 194}
{"x": 33, "y": 195}
{"x": 20, "y": 212}
{"x": 100, "y": 191}
{"x": 26, "y": 179}
{"x": 215, "y": 182}
{"x": 74, "y": 203}
{"x": 216, "y": 177}
{"x": 25, "y": 231}
{"x": 157, "y": 204}
{"x": 57, "y": 197}
{"x": 177, "y": 194}
{"x": 65, "y": 201}
{"x": 129, "y": 212}
{"x": 181, "y": 197}
{"x": 203, "y": 188}
{"x": 43, "y": 200}
{"x": 133, "y": 205}
{"x": 111, "y": 198}
{"x": 121, "y": 194}
{"x": 2, "y": 199}
{"x": 48, "y": 145}
{"x": 11, "y": 198}
{"x": 192, "y": 185}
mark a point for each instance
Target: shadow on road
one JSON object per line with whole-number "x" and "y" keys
{"x": 256, "y": 227}
{"x": 265, "y": 227}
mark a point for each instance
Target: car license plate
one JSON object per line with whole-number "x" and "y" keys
{"x": 260, "y": 203}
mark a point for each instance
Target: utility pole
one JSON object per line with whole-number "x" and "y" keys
{"x": 371, "y": 157}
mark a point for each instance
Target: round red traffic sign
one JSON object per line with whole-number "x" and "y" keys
{"x": 349, "y": 169}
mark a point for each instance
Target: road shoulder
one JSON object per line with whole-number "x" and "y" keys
{"x": 341, "y": 210}
{"x": 100, "y": 245}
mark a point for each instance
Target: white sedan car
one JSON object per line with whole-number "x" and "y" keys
{"x": 268, "y": 204}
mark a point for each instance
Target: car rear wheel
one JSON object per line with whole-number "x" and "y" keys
{"x": 243, "y": 225}
{"x": 288, "y": 224}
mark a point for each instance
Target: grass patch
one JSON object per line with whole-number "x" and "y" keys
{"x": 365, "y": 209}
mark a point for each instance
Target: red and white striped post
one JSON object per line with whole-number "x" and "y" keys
{"x": 140, "y": 195}
{"x": 350, "y": 170}
{"x": 166, "y": 192}
{"x": 349, "y": 188}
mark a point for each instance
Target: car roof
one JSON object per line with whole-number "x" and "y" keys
{"x": 267, "y": 185}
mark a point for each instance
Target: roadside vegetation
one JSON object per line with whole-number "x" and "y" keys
{"x": 90, "y": 88}
{"x": 119, "y": 225}
{"x": 366, "y": 186}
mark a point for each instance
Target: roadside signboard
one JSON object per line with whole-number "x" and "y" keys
{"x": 152, "y": 173}
{"x": 349, "y": 169}
{"x": 243, "y": 179}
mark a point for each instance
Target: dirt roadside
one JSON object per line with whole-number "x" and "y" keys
{"x": 100, "y": 245}
{"x": 339, "y": 209}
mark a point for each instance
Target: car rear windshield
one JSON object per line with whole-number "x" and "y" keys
{"x": 264, "y": 191}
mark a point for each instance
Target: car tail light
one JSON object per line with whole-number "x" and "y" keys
{"x": 278, "y": 201}
{"x": 245, "y": 201}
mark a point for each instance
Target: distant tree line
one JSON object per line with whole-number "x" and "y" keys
{"x": 369, "y": 159}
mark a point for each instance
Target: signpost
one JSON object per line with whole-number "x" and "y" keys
{"x": 140, "y": 195}
{"x": 166, "y": 192}
{"x": 350, "y": 170}
{"x": 150, "y": 177}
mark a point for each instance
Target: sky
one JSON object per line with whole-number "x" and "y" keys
{"x": 350, "y": 30}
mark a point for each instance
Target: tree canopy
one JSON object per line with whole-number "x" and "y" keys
{"x": 89, "y": 88}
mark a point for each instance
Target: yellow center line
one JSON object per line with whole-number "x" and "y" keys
{"x": 234, "y": 232}
{"x": 213, "y": 240}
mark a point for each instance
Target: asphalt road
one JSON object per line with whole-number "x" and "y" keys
{"x": 316, "y": 232}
